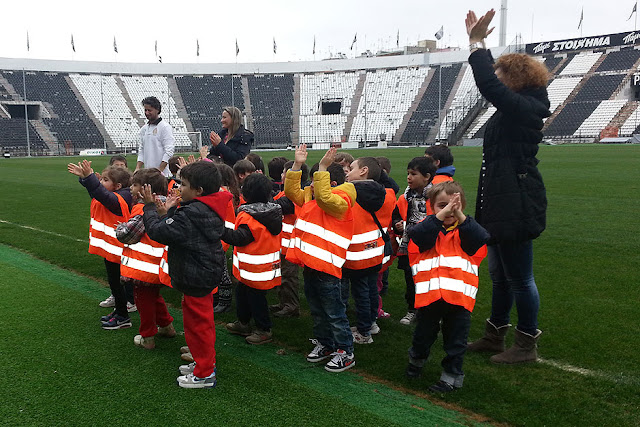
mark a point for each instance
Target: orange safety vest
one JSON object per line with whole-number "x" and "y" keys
{"x": 445, "y": 272}
{"x": 229, "y": 222}
{"x": 163, "y": 273}
{"x": 319, "y": 240}
{"x": 384, "y": 216}
{"x": 257, "y": 264}
{"x": 102, "y": 230}
{"x": 141, "y": 261}
{"x": 441, "y": 178}
{"x": 287, "y": 226}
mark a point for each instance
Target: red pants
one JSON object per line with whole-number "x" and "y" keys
{"x": 380, "y": 285}
{"x": 152, "y": 309}
{"x": 200, "y": 332}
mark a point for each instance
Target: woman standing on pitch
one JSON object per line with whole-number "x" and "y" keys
{"x": 511, "y": 202}
{"x": 233, "y": 142}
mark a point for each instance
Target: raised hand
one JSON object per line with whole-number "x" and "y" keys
{"x": 328, "y": 158}
{"x": 82, "y": 169}
{"x": 215, "y": 139}
{"x": 300, "y": 156}
{"x": 181, "y": 162}
{"x": 147, "y": 194}
{"x": 204, "y": 152}
{"x": 192, "y": 159}
{"x": 478, "y": 29}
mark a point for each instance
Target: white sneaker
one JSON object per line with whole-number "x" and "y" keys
{"x": 131, "y": 307}
{"x": 375, "y": 329}
{"x": 319, "y": 352}
{"x": 187, "y": 369}
{"x": 358, "y": 338}
{"x": 191, "y": 381}
{"x": 341, "y": 362}
{"x": 109, "y": 302}
{"x": 408, "y": 318}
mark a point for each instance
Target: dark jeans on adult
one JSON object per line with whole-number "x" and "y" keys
{"x": 511, "y": 270}
{"x": 252, "y": 303}
{"x": 410, "y": 292}
{"x": 289, "y": 288}
{"x": 117, "y": 290}
{"x": 456, "y": 321}
{"x": 330, "y": 323}
{"x": 364, "y": 289}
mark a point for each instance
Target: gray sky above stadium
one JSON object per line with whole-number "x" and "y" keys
{"x": 176, "y": 25}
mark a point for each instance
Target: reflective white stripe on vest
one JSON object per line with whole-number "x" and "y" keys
{"x": 136, "y": 264}
{"x": 369, "y": 236}
{"x": 146, "y": 249}
{"x": 317, "y": 252}
{"x": 287, "y": 228}
{"x": 285, "y": 242}
{"x": 99, "y": 243}
{"x": 366, "y": 254}
{"x": 447, "y": 284}
{"x": 264, "y": 276}
{"x": 443, "y": 261}
{"x": 229, "y": 225}
{"x": 258, "y": 259}
{"x": 386, "y": 259}
{"x": 323, "y": 233}
{"x": 99, "y": 226}
{"x": 164, "y": 265}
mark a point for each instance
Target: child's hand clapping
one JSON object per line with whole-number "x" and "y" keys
{"x": 147, "y": 195}
{"x": 300, "y": 157}
{"x": 327, "y": 159}
{"x": 82, "y": 169}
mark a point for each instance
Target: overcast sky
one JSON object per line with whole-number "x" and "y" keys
{"x": 216, "y": 24}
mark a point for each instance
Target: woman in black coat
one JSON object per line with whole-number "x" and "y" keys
{"x": 511, "y": 202}
{"x": 233, "y": 142}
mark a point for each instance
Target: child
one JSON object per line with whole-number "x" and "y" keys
{"x": 256, "y": 258}
{"x": 174, "y": 169}
{"x": 257, "y": 162}
{"x": 385, "y": 177}
{"x": 196, "y": 260}
{"x": 276, "y": 172}
{"x": 445, "y": 252}
{"x": 410, "y": 210}
{"x": 443, "y": 159}
{"x": 141, "y": 263}
{"x": 243, "y": 168}
{"x": 321, "y": 236}
{"x": 344, "y": 160}
{"x": 110, "y": 205}
{"x": 118, "y": 161}
{"x": 366, "y": 251}
{"x": 288, "y": 291}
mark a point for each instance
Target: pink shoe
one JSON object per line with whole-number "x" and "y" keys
{"x": 383, "y": 314}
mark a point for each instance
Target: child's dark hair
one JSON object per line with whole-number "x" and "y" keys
{"x": 385, "y": 163}
{"x": 256, "y": 160}
{"x": 153, "y": 177}
{"x": 173, "y": 165}
{"x": 449, "y": 187}
{"x": 243, "y": 166}
{"x": 336, "y": 173}
{"x": 440, "y": 152}
{"x": 257, "y": 188}
{"x": 203, "y": 175}
{"x": 118, "y": 158}
{"x": 276, "y": 166}
{"x": 304, "y": 169}
{"x": 343, "y": 157}
{"x": 229, "y": 180}
{"x": 372, "y": 164}
{"x": 314, "y": 169}
{"x": 424, "y": 165}
{"x": 153, "y": 102}
{"x": 118, "y": 175}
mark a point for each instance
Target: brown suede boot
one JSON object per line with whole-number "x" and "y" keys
{"x": 492, "y": 341}
{"x": 523, "y": 349}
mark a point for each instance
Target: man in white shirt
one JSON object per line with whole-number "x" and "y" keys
{"x": 156, "y": 138}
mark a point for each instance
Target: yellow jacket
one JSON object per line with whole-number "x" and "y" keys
{"x": 329, "y": 202}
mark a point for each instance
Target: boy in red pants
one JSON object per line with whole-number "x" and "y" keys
{"x": 195, "y": 258}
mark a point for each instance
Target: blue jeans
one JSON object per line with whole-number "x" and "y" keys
{"x": 364, "y": 289}
{"x": 456, "y": 321}
{"x": 511, "y": 270}
{"x": 330, "y": 323}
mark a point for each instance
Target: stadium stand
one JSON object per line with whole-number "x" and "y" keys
{"x": 559, "y": 90}
{"x": 466, "y": 93}
{"x": 426, "y": 114}
{"x": 581, "y": 63}
{"x": 620, "y": 60}
{"x": 271, "y": 108}
{"x": 204, "y": 98}
{"x": 108, "y": 105}
{"x": 632, "y": 124}
{"x": 600, "y": 118}
{"x": 13, "y": 137}
{"x": 69, "y": 121}
{"x": 552, "y": 62}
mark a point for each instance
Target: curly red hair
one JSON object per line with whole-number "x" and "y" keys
{"x": 520, "y": 71}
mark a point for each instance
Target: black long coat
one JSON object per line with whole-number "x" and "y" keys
{"x": 234, "y": 149}
{"x": 511, "y": 202}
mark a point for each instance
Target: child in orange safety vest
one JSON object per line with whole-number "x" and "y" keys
{"x": 256, "y": 258}
{"x": 141, "y": 258}
{"x": 445, "y": 252}
{"x": 110, "y": 204}
{"x": 321, "y": 235}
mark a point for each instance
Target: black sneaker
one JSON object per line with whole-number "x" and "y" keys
{"x": 117, "y": 322}
{"x": 221, "y": 308}
{"x": 413, "y": 371}
{"x": 108, "y": 316}
{"x": 442, "y": 387}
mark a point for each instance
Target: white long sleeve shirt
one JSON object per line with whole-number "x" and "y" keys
{"x": 156, "y": 145}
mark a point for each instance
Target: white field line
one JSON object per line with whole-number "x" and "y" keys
{"x": 42, "y": 231}
{"x": 617, "y": 378}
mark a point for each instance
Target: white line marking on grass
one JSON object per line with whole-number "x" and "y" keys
{"x": 619, "y": 378}
{"x": 42, "y": 231}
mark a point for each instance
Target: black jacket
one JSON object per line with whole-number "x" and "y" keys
{"x": 267, "y": 214}
{"x": 192, "y": 232}
{"x": 108, "y": 199}
{"x": 236, "y": 148}
{"x": 511, "y": 202}
{"x": 472, "y": 235}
